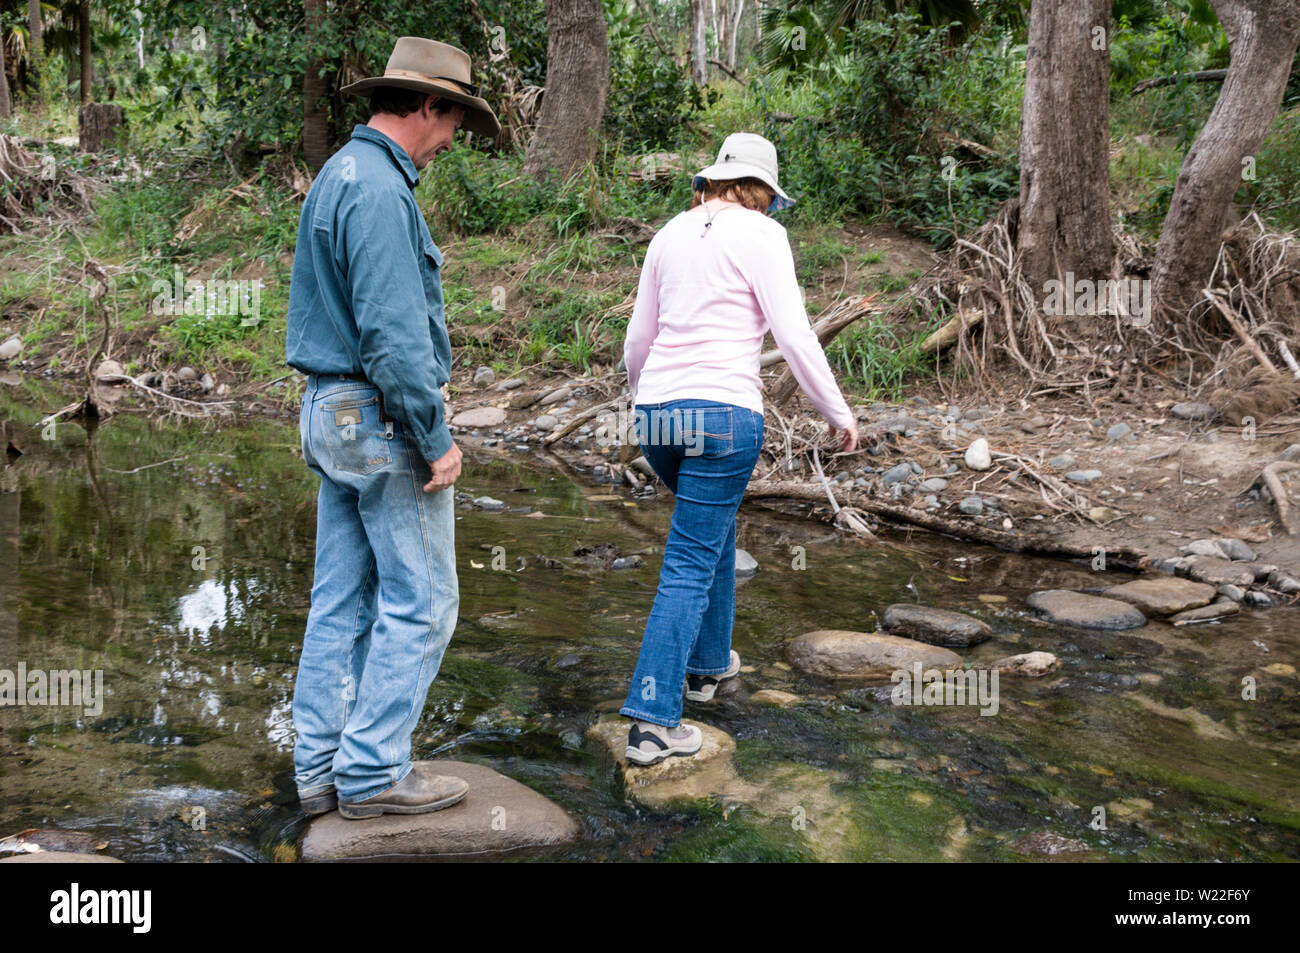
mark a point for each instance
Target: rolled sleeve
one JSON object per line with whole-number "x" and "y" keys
{"x": 382, "y": 255}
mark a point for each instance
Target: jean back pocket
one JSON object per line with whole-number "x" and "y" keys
{"x": 351, "y": 430}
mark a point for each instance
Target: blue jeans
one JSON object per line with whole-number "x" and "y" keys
{"x": 384, "y": 600}
{"x": 704, "y": 452}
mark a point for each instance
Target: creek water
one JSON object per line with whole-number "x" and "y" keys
{"x": 177, "y": 560}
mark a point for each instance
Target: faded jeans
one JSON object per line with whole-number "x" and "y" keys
{"x": 704, "y": 452}
{"x": 384, "y": 600}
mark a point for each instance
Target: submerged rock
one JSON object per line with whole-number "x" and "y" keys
{"x": 1082, "y": 611}
{"x": 1049, "y": 844}
{"x": 498, "y": 814}
{"x": 1029, "y": 665}
{"x": 771, "y": 696}
{"x": 1162, "y": 595}
{"x": 1217, "y": 610}
{"x": 837, "y": 653}
{"x": 936, "y": 626}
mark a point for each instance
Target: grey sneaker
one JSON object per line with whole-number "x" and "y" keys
{"x": 700, "y": 688}
{"x": 321, "y": 802}
{"x": 421, "y": 791}
{"x": 650, "y": 744}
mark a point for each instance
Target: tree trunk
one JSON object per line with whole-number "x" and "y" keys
{"x": 315, "y": 111}
{"x": 83, "y": 34}
{"x": 1065, "y": 144}
{"x": 730, "y": 57}
{"x": 1263, "y": 36}
{"x": 6, "y": 104}
{"x": 699, "y": 48}
{"x": 98, "y": 125}
{"x": 35, "y": 49}
{"x": 577, "y": 81}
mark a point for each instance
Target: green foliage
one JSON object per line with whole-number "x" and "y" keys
{"x": 878, "y": 142}
{"x": 650, "y": 97}
{"x": 876, "y": 359}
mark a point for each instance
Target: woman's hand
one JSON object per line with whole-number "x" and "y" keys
{"x": 849, "y": 441}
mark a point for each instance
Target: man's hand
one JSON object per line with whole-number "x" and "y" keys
{"x": 445, "y": 470}
{"x": 849, "y": 441}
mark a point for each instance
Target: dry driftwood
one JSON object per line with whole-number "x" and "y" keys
{"x": 835, "y": 320}
{"x": 948, "y": 334}
{"x": 1280, "y": 498}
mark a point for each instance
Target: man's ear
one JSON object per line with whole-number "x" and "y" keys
{"x": 427, "y": 108}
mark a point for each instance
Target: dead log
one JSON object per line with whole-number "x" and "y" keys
{"x": 1122, "y": 556}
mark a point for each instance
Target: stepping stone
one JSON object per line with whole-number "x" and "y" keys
{"x": 1163, "y": 595}
{"x": 936, "y": 626}
{"x": 1217, "y": 572}
{"x": 1029, "y": 665}
{"x": 498, "y": 814}
{"x": 783, "y": 790}
{"x": 480, "y": 417}
{"x": 1217, "y": 610}
{"x": 704, "y": 774}
{"x": 837, "y": 653}
{"x": 771, "y": 696}
{"x": 1083, "y": 611}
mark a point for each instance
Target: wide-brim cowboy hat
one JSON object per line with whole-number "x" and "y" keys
{"x": 746, "y": 154}
{"x": 428, "y": 66}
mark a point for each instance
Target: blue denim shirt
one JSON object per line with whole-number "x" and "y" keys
{"x": 366, "y": 292}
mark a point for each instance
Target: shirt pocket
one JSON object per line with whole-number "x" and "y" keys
{"x": 351, "y": 430}
{"x": 707, "y": 431}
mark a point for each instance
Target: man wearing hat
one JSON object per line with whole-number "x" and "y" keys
{"x": 366, "y": 325}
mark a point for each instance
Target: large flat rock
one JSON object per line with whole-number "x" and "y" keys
{"x": 498, "y": 814}
{"x": 838, "y": 653}
{"x": 1162, "y": 596}
{"x": 936, "y": 626}
{"x": 480, "y": 417}
{"x": 1218, "y": 572}
{"x": 1082, "y": 611}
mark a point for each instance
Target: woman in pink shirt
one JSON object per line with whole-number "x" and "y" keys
{"x": 715, "y": 279}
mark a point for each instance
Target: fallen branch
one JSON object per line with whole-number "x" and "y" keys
{"x": 1278, "y": 491}
{"x": 1122, "y": 557}
{"x": 579, "y": 420}
{"x": 839, "y": 317}
{"x": 1200, "y": 76}
{"x": 1235, "y": 323}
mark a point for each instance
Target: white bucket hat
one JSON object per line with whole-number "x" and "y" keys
{"x": 746, "y": 154}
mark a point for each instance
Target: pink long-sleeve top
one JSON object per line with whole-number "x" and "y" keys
{"x": 703, "y": 305}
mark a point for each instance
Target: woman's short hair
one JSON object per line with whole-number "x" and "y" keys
{"x": 397, "y": 101}
{"x": 750, "y": 192}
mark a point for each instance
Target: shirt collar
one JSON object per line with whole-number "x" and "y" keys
{"x": 400, "y": 156}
